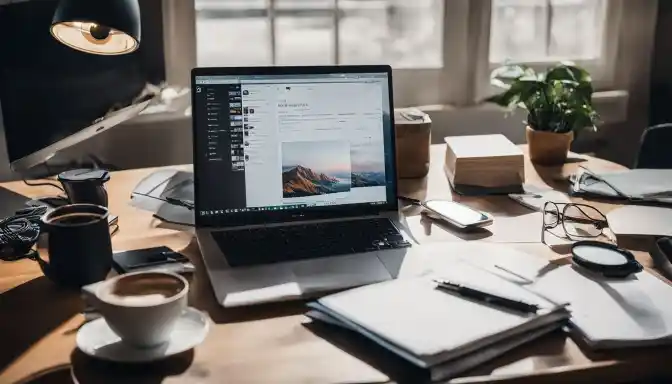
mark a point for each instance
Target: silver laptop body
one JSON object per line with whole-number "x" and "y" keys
{"x": 257, "y": 133}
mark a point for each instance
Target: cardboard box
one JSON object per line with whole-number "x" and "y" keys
{"x": 412, "y": 129}
{"x": 485, "y": 161}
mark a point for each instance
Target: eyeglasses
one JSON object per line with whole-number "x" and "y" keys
{"x": 578, "y": 221}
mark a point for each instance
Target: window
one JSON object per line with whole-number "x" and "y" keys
{"x": 539, "y": 32}
{"x": 285, "y": 32}
{"x": 442, "y": 50}
{"x": 546, "y": 30}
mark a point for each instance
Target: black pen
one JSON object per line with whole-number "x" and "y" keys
{"x": 486, "y": 297}
{"x": 410, "y": 200}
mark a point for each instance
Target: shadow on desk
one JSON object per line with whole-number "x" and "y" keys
{"x": 61, "y": 374}
{"x": 401, "y": 371}
{"x": 86, "y": 370}
{"x": 553, "y": 176}
{"x": 23, "y": 321}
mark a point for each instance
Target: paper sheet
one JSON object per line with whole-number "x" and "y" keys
{"x": 613, "y": 312}
{"x": 641, "y": 220}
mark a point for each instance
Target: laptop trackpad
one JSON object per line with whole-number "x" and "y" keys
{"x": 327, "y": 274}
{"x": 261, "y": 284}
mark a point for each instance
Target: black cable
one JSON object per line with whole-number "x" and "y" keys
{"x": 43, "y": 183}
{"x": 173, "y": 222}
{"x": 170, "y": 200}
{"x": 19, "y": 233}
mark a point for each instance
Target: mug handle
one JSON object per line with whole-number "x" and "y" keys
{"x": 44, "y": 266}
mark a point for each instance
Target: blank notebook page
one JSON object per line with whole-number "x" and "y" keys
{"x": 635, "y": 309}
{"x": 414, "y": 315}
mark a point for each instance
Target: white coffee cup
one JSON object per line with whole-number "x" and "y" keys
{"x": 141, "y": 307}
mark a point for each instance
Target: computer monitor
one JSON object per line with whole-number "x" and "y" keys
{"x": 292, "y": 142}
{"x": 52, "y": 96}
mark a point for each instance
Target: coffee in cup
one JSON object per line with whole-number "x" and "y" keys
{"x": 141, "y": 307}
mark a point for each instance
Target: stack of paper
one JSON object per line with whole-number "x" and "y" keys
{"x": 484, "y": 163}
{"x": 443, "y": 333}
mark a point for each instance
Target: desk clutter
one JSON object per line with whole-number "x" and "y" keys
{"x": 21, "y": 220}
{"x": 441, "y": 333}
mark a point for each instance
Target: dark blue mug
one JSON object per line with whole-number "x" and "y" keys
{"x": 79, "y": 245}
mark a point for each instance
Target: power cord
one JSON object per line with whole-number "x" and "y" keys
{"x": 43, "y": 183}
{"x": 170, "y": 200}
{"x": 19, "y": 233}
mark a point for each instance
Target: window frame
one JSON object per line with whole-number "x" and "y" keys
{"x": 602, "y": 70}
{"x": 462, "y": 81}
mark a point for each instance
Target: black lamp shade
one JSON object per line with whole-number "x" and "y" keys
{"x": 102, "y": 27}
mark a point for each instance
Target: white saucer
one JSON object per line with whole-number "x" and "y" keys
{"x": 96, "y": 339}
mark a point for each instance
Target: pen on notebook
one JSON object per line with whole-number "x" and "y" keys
{"x": 486, "y": 297}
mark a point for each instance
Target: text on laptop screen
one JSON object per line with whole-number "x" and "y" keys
{"x": 282, "y": 142}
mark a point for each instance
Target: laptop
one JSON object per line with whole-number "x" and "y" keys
{"x": 295, "y": 187}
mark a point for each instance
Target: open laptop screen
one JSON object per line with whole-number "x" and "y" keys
{"x": 292, "y": 143}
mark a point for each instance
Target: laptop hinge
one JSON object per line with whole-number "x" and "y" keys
{"x": 299, "y": 222}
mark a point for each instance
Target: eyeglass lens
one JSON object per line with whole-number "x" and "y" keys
{"x": 582, "y": 221}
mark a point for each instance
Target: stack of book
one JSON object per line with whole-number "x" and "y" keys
{"x": 441, "y": 333}
{"x": 484, "y": 164}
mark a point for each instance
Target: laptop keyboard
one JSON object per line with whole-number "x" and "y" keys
{"x": 307, "y": 241}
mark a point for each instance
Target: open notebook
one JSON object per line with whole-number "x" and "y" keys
{"x": 606, "y": 313}
{"x": 430, "y": 327}
{"x": 611, "y": 313}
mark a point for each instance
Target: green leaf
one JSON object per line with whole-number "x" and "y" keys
{"x": 526, "y": 88}
{"x": 504, "y": 76}
{"x": 559, "y": 100}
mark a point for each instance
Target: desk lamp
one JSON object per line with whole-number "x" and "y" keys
{"x": 100, "y": 27}
{"x": 107, "y": 27}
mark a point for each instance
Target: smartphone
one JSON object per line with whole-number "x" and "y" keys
{"x": 457, "y": 214}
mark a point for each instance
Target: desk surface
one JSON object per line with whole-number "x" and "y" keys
{"x": 268, "y": 344}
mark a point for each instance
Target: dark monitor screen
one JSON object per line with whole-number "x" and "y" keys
{"x": 282, "y": 143}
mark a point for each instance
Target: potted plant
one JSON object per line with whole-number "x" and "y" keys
{"x": 558, "y": 103}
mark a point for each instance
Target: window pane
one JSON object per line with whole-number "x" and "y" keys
{"x": 304, "y": 32}
{"x": 232, "y": 33}
{"x": 405, "y": 34}
{"x": 576, "y": 30}
{"x": 546, "y": 30}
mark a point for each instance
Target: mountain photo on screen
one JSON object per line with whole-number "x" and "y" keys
{"x": 368, "y": 166}
{"x": 311, "y": 168}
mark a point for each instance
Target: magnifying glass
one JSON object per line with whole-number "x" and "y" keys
{"x": 604, "y": 259}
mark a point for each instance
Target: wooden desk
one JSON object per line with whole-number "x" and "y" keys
{"x": 268, "y": 344}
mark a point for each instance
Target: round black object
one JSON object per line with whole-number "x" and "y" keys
{"x": 85, "y": 186}
{"x": 605, "y": 259}
{"x": 100, "y": 32}
{"x": 122, "y": 15}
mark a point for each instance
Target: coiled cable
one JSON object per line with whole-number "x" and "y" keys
{"x": 19, "y": 233}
